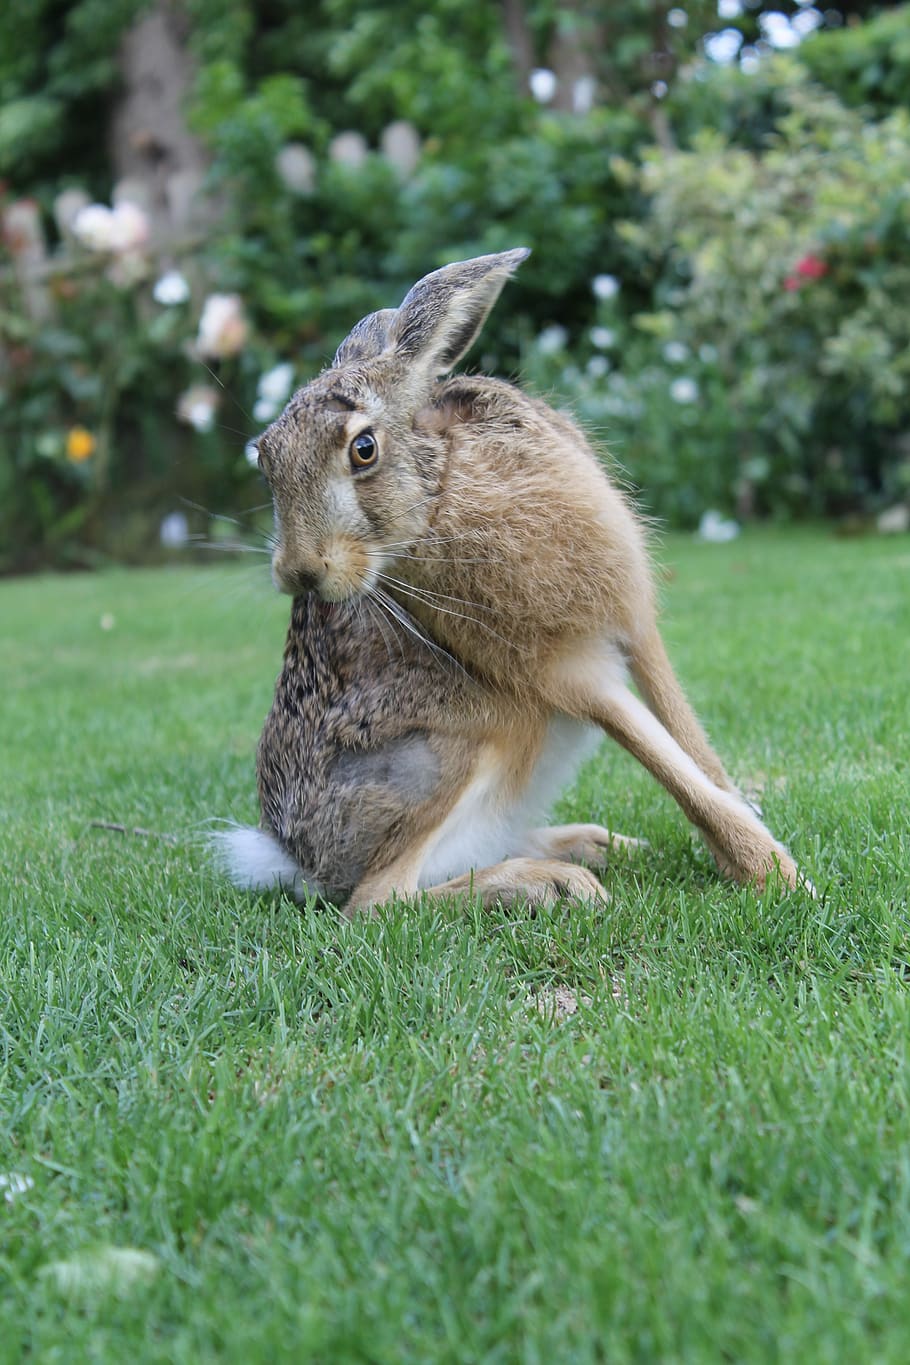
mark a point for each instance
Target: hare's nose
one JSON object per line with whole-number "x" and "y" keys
{"x": 295, "y": 581}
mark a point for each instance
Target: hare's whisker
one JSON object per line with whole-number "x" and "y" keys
{"x": 430, "y": 594}
{"x": 430, "y": 559}
{"x": 375, "y": 614}
{"x": 229, "y": 546}
{"x": 419, "y": 503}
{"x": 404, "y": 618}
{"x": 216, "y": 516}
{"x": 447, "y": 611}
{"x": 236, "y": 401}
{"x": 235, "y": 431}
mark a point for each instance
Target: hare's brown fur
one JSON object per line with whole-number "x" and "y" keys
{"x": 470, "y": 599}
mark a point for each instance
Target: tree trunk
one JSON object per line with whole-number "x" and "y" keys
{"x": 157, "y": 161}
{"x": 519, "y": 35}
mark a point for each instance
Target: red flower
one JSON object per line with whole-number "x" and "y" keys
{"x": 792, "y": 283}
{"x": 811, "y": 267}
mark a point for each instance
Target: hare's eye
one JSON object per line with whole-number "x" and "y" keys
{"x": 364, "y": 451}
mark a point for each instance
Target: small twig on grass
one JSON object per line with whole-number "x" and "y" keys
{"x": 135, "y": 829}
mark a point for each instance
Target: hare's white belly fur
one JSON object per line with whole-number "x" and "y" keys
{"x": 486, "y": 825}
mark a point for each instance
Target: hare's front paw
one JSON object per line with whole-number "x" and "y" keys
{"x": 536, "y": 882}
{"x": 763, "y": 866}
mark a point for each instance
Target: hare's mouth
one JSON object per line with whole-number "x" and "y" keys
{"x": 329, "y": 586}
{"x": 337, "y": 570}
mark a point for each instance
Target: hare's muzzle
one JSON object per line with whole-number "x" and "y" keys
{"x": 296, "y": 582}
{"x": 340, "y": 568}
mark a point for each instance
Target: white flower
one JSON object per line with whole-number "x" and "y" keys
{"x": 677, "y": 18}
{"x": 684, "y": 390}
{"x": 251, "y": 454}
{"x": 275, "y": 384}
{"x": 723, "y": 47}
{"x": 543, "y": 84}
{"x": 400, "y": 145}
{"x": 552, "y": 339}
{"x": 603, "y": 338}
{"x": 349, "y": 149}
{"x": 716, "y": 528}
{"x": 729, "y": 9}
{"x": 120, "y": 229}
{"x": 598, "y": 366}
{"x": 583, "y": 92}
{"x": 196, "y": 406}
{"x": 807, "y": 21}
{"x": 171, "y": 288}
{"x": 707, "y": 353}
{"x": 222, "y": 327}
{"x": 273, "y": 389}
{"x": 174, "y": 530}
{"x": 12, "y": 1184}
{"x": 675, "y": 353}
{"x": 129, "y": 227}
{"x": 264, "y": 410}
{"x": 605, "y": 286}
{"x": 777, "y": 30}
{"x": 296, "y": 167}
{"x": 92, "y": 227}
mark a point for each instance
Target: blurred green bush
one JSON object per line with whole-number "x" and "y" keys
{"x": 713, "y": 286}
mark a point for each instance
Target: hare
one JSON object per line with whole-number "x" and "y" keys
{"x": 471, "y": 598}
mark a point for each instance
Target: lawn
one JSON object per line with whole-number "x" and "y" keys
{"x": 674, "y": 1130}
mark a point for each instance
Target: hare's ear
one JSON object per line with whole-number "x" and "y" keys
{"x": 440, "y": 317}
{"x": 369, "y": 338}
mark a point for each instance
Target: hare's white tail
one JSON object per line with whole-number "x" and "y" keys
{"x": 255, "y": 861}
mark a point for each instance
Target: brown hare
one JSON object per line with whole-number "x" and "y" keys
{"x": 471, "y": 597}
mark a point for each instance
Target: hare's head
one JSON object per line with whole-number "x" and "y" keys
{"x": 353, "y": 463}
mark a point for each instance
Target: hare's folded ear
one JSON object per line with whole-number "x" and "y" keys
{"x": 369, "y": 338}
{"x": 440, "y": 317}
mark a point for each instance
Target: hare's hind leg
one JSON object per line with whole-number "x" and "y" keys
{"x": 744, "y": 848}
{"x": 535, "y": 881}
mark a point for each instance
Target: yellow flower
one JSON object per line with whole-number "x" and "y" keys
{"x": 80, "y": 444}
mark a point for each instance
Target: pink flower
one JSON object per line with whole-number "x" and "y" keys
{"x": 811, "y": 267}
{"x": 222, "y": 327}
{"x": 792, "y": 283}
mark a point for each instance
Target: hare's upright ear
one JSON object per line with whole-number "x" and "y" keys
{"x": 440, "y": 317}
{"x": 368, "y": 339}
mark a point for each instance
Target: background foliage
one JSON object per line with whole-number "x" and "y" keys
{"x": 717, "y": 247}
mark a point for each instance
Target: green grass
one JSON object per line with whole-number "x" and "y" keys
{"x": 383, "y": 1140}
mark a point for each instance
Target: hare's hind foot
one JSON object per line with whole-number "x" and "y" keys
{"x": 591, "y": 844}
{"x": 537, "y": 882}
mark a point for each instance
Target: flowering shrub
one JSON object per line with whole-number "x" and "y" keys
{"x": 720, "y": 312}
{"x": 771, "y": 372}
{"x": 109, "y": 411}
